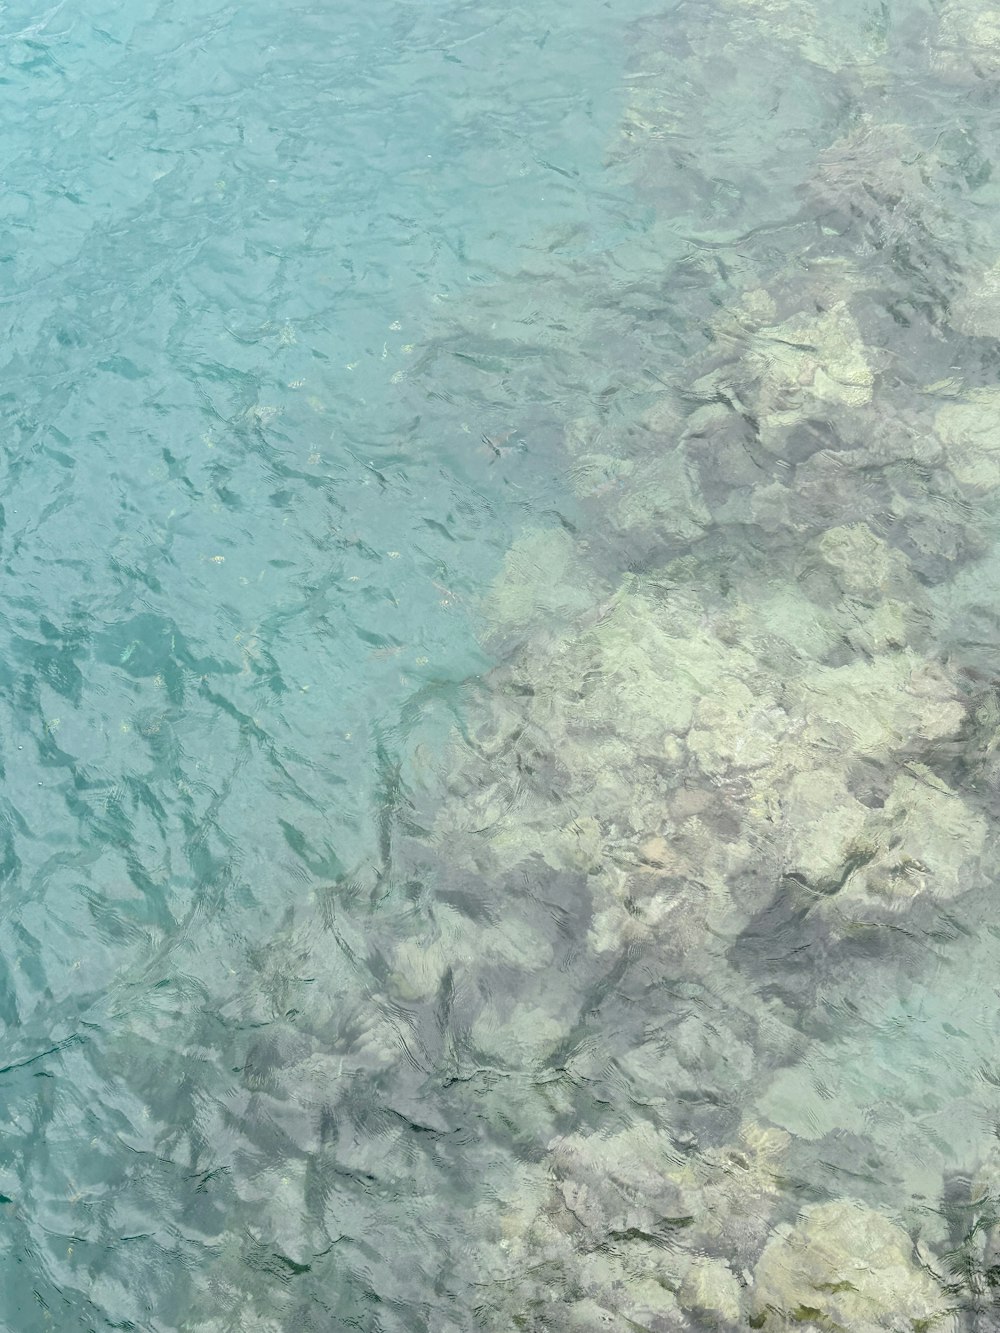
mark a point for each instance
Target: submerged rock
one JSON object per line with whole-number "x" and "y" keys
{"x": 845, "y": 1268}
{"x": 876, "y": 176}
{"x": 660, "y": 503}
{"x": 860, "y": 563}
{"x": 923, "y": 838}
{"x": 806, "y": 364}
{"x": 735, "y": 728}
{"x": 929, "y": 841}
{"x": 969, "y": 430}
{"x": 731, "y": 1192}
{"x": 682, "y": 760}
{"x": 968, "y": 45}
{"x": 872, "y": 708}
{"x": 619, "y": 1182}
{"x": 977, "y": 310}
{"x": 527, "y": 1035}
{"x": 543, "y": 581}
{"x": 825, "y": 826}
{"x": 711, "y": 1292}
{"x": 830, "y": 38}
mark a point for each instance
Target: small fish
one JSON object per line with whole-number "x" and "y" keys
{"x": 448, "y": 595}
{"x": 498, "y": 445}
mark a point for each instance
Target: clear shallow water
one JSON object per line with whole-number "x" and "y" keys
{"x": 498, "y": 641}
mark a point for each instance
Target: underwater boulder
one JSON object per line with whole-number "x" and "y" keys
{"x": 660, "y": 504}
{"x": 877, "y": 707}
{"x": 618, "y": 1182}
{"x": 543, "y": 582}
{"x": 832, "y": 38}
{"x": 879, "y": 178}
{"x": 711, "y": 1293}
{"x": 968, "y": 46}
{"x": 969, "y": 429}
{"x": 804, "y": 366}
{"x": 730, "y": 1192}
{"x": 859, "y": 563}
{"x": 735, "y": 727}
{"x": 847, "y": 1269}
{"x": 823, "y": 825}
{"x": 976, "y": 310}
{"x": 629, "y": 1289}
{"x": 929, "y": 840}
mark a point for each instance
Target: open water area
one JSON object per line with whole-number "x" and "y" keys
{"x": 500, "y": 667}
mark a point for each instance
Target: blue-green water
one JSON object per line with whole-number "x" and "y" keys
{"x": 498, "y": 690}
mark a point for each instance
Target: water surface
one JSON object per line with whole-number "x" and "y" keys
{"x": 498, "y": 695}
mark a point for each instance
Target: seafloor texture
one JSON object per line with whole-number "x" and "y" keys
{"x": 703, "y": 925}
{"x": 552, "y": 886}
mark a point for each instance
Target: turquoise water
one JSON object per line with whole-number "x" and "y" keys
{"x": 498, "y": 726}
